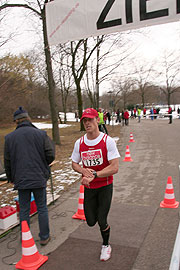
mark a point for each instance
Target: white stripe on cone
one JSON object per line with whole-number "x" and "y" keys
{"x": 29, "y": 251}
{"x": 169, "y": 196}
{"x": 26, "y": 235}
{"x": 80, "y": 206}
{"x": 81, "y": 196}
{"x": 169, "y": 186}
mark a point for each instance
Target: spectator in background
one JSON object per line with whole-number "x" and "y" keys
{"x": 152, "y": 113}
{"x": 170, "y": 114}
{"x": 178, "y": 112}
{"x": 76, "y": 116}
{"x": 132, "y": 115}
{"x": 157, "y": 110}
{"x": 144, "y": 112}
{"x": 108, "y": 117}
{"x": 134, "y": 112}
{"x": 122, "y": 117}
{"x": 102, "y": 126}
{"x": 155, "y": 113}
{"x": 139, "y": 114}
{"x": 105, "y": 117}
{"x": 118, "y": 119}
{"x": 126, "y": 117}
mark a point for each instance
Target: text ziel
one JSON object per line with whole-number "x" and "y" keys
{"x": 144, "y": 15}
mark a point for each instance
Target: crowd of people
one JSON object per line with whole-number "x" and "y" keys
{"x": 123, "y": 116}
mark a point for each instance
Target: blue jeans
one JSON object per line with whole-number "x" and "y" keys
{"x": 41, "y": 203}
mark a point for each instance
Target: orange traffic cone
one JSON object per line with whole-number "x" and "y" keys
{"x": 131, "y": 138}
{"x": 169, "y": 198}
{"x": 80, "y": 212}
{"x": 31, "y": 259}
{"x": 127, "y": 155}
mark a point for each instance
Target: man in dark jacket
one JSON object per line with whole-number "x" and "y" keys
{"x": 28, "y": 151}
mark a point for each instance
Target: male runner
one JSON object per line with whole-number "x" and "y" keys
{"x": 99, "y": 156}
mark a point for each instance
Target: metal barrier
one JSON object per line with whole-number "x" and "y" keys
{"x": 160, "y": 115}
{"x": 175, "y": 259}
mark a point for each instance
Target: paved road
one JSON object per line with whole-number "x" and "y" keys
{"x": 142, "y": 233}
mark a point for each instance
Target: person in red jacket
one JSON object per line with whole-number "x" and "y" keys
{"x": 126, "y": 117}
{"x": 100, "y": 160}
{"x": 170, "y": 114}
{"x": 155, "y": 113}
{"x": 144, "y": 112}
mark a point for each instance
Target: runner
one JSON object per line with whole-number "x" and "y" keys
{"x": 99, "y": 155}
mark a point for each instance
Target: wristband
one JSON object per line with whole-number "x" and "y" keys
{"x": 95, "y": 174}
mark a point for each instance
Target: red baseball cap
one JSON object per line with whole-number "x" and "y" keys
{"x": 89, "y": 113}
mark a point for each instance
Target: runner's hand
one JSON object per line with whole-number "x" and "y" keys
{"x": 87, "y": 172}
{"x": 86, "y": 180}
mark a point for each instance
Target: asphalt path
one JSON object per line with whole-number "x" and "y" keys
{"x": 142, "y": 233}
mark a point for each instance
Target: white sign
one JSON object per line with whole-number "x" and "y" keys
{"x": 78, "y": 19}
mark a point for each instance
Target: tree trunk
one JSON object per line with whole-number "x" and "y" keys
{"x": 51, "y": 84}
{"x": 169, "y": 98}
{"x": 143, "y": 99}
{"x": 64, "y": 104}
{"x": 97, "y": 76}
{"x": 80, "y": 103}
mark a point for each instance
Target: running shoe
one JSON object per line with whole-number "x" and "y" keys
{"x": 105, "y": 253}
{"x": 45, "y": 242}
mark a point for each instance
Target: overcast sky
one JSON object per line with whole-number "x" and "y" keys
{"x": 149, "y": 46}
{"x": 158, "y": 38}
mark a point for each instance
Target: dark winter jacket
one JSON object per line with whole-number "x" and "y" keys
{"x": 27, "y": 153}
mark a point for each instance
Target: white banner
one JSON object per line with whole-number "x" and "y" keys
{"x": 69, "y": 20}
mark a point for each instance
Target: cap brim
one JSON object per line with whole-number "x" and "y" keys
{"x": 87, "y": 116}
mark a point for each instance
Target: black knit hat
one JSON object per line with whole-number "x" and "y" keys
{"x": 20, "y": 113}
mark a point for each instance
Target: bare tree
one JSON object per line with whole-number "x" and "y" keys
{"x": 110, "y": 54}
{"x": 81, "y": 54}
{"x": 64, "y": 78}
{"x": 122, "y": 88}
{"x": 170, "y": 73}
{"x": 38, "y": 9}
{"x": 143, "y": 74}
{"x": 4, "y": 38}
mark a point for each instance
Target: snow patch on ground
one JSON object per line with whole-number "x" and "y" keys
{"x": 49, "y": 126}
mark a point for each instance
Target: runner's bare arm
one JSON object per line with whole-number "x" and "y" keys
{"x": 111, "y": 169}
{"x": 84, "y": 171}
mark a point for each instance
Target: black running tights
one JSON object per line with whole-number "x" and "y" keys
{"x": 97, "y": 203}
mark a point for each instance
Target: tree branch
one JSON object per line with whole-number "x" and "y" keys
{"x": 20, "y": 5}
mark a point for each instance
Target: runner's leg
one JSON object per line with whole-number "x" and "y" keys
{"x": 90, "y": 206}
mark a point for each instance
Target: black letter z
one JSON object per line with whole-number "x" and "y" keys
{"x": 101, "y": 24}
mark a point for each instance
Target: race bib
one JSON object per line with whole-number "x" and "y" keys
{"x": 92, "y": 158}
